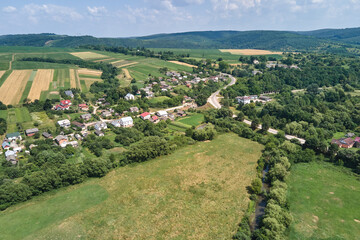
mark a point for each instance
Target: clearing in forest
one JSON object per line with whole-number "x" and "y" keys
{"x": 12, "y": 89}
{"x": 183, "y": 64}
{"x": 88, "y": 55}
{"x": 41, "y": 83}
{"x": 249, "y": 52}
{"x": 197, "y": 192}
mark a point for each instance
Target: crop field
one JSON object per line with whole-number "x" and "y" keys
{"x": 84, "y": 71}
{"x": 183, "y": 64}
{"x": 41, "y": 83}
{"x": 74, "y": 80}
{"x": 88, "y": 55}
{"x": 249, "y": 52}
{"x": 201, "y": 53}
{"x": 2, "y": 73}
{"x": 13, "y": 87}
{"x": 57, "y": 55}
{"x": 198, "y": 192}
{"x": 28, "y": 86}
{"x": 324, "y": 201}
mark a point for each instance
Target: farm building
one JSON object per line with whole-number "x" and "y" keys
{"x": 126, "y": 122}
{"x": 64, "y": 123}
{"x": 31, "y": 132}
{"x": 78, "y": 125}
{"x": 61, "y": 140}
{"x": 46, "y": 135}
{"x": 100, "y": 126}
{"x": 13, "y": 136}
{"x": 129, "y": 97}
{"x": 162, "y": 114}
{"x": 145, "y": 116}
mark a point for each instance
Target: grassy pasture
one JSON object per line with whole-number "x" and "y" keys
{"x": 324, "y": 202}
{"x": 198, "y": 192}
{"x": 158, "y": 99}
{"x": 49, "y": 212}
{"x": 192, "y": 120}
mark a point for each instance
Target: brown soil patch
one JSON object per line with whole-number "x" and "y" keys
{"x": 183, "y": 64}
{"x": 249, "y": 52}
{"x": 41, "y": 83}
{"x": 332, "y": 193}
{"x": 91, "y": 72}
{"x": 12, "y": 89}
{"x": 356, "y": 220}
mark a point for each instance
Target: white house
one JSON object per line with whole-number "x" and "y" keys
{"x": 162, "y": 113}
{"x": 116, "y": 123}
{"x": 126, "y": 122}
{"x": 129, "y": 96}
{"x": 100, "y": 126}
{"x": 64, "y": 123}
{"x": 243, "y": 100}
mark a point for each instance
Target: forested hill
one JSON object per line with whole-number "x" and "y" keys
{"x": 271, "y": 40}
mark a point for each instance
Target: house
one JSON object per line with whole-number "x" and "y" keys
{"x": 171, "y": 116}
{"x": 343, "y": 142}
{"x": 106, "y": 114}
{"x": 126, "y": 122}
{"x": 181, "y": 113}
{"x": 31, "y": 132}
{"x": 100, "y": 126}
{"x": 265, "y": 98}
{"x": 253, "y": 97}
{"x": 134, "y": 109}
{"x": 145, "y": 116}
{"x": 84, "y": 134}
{"x": 100, "y": 101}
{"x": 65, "y": 103}
{"x": 154, "y": 119}
{"x": 73, "y": 144}
{"x": 12, "y": 159}
{"x": 5, "y": 145}
{"x": 350, "y": 135}
{"x": 78, "y": 137}
{"x": 129, "y": 96}
{"x": 99, "y": 133}
{"x": 46, "y": 135}
{"x": 84, "y": 107}
{"x": 61, "y": 140}
{"x": 60, "y": 107}
{"x": 243, "y": 100}
{"x": 64, "y": 123}
{"x": 79, "y": 125}
{"x": 116, "y": 123}
{"x": 86, "y": 116}
{"x": 13, "y": 136}
{"x": 162, "y": 114}
{"x": 69, "y": 93}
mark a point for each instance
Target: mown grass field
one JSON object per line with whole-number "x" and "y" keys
{"x": 192, "y": 120}
{"x": 198, "y": 192}
{"x": 324, "y": 202}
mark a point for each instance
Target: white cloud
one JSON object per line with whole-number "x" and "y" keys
{"x": 230, "y": 5}
{"x": 57, "y": 13}
{"x": 9, "y": 9}
{"x": 96, "y": 11}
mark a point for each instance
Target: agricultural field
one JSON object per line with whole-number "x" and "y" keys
{"x": 86, "y": 77}
{"x": 88, "y": 55}
{"x": 16, "y": 116}
{"x": 41, "y": 83}
{"x": 324, "y": 202}
{"x": 192, "y": 120}
{"x": 197, "y": 192}
{"x": 250, "y": 52}
{"x": 183, "y": 64}
{"x": 13, "y": 87}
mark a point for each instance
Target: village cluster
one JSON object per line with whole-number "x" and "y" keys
{"x": 349, "y": 141}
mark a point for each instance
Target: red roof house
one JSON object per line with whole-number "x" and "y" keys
{"x": 145, "y": 116}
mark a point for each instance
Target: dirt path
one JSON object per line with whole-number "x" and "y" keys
{"x": 12, "y": 59}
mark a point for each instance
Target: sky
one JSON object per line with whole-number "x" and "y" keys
{"x": 126, "y": 18}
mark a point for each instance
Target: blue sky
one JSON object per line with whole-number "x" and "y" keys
{"x": 123, "y": 18}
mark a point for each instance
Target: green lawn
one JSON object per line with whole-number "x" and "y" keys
{"x": 28, "y": 220}
{"x": 192, "y": 120}
{"x": 158, "y": 99}
{"x": 324, "y": 202}
{"x": 198, "y": 192}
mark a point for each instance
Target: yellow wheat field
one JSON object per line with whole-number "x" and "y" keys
{"x": 2, "y": 73}
{"x": 249, "y": 52}
{"x": 88, "y": 55}
{"x": 41, "y": 83}
{"x": 127, "y": 74}
{"x": 72, "y": 78}
{"x": 183, "y": 64}
{"x": 12, "y": 89}
{"x": 127, "y": 64}
{"x": 86, "y": 71}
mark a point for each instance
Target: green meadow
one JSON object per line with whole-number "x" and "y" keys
{"x": 324, "y": 202}
{"x": 197, "y": 192}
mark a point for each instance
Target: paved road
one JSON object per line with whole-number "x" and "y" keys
{"x": 214, "y": 99}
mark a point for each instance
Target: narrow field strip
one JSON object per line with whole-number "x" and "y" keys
{"x": 78, "y": 84}
{"x": 2, "y": 73}
{"x": 183, "y": 64}
{"x": 4, "y": 76}
{"x": 88, "y": 55}
{"x": 128, "y": 64}
{"x": 41, "y": 83}
{"x": 73, "y": 83}
{"x": 12, "y": 89}
{"x": 249, "y": 52}
{"x": 85, "y": 71}
{"x": 28, "y": 86}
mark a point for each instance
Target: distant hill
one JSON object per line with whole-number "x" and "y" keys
{"x": 270, "y": 40}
